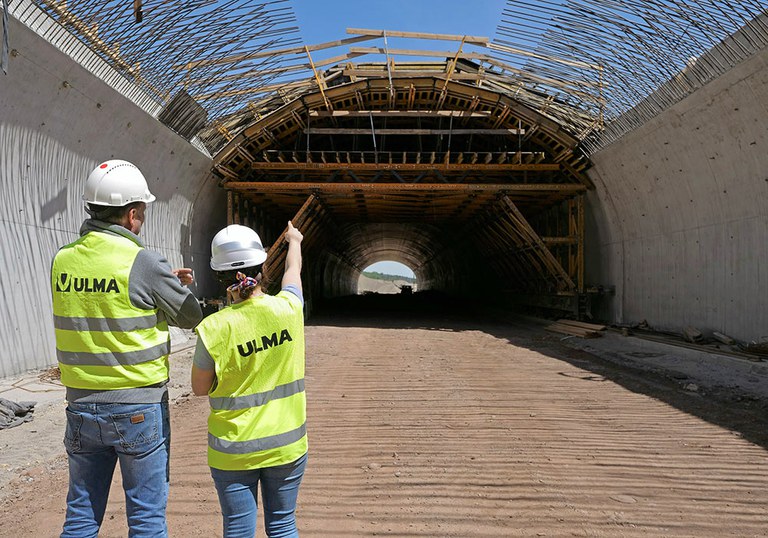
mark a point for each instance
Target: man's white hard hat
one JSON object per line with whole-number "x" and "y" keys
{"x": 236, "y": 247}
{"x": 116, "y": 183}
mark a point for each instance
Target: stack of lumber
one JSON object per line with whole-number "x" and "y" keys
{"x": 758, "y": 348}
{"x": 576, "y": 328}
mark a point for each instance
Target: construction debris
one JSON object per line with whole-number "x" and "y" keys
{"x": 723, "y": 338}
{"x": 692, "y": 335}
{"x": 13, "y": 413}
{"x": 758, "y": 348}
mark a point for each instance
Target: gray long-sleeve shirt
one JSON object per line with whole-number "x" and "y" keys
{"x": 151, "y": 285}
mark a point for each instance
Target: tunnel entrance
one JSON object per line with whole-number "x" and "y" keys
{"x": 438, "y": 166}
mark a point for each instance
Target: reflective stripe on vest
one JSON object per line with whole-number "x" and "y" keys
{"x": 258, "y": 405}
{"x": 257, "y": 445}
{"x": 103, "y": 342}
{"x": 104, "y": 324}
{"x": 260, "y": 398}
{"x": 110, "y": 358}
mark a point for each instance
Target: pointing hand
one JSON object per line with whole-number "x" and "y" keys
{"x": 293, "y": 234}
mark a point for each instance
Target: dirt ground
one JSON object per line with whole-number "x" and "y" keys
{"x": 430, "y": 425}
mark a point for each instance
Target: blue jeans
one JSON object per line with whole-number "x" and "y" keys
{"x": 96, "y": 437}
{"x": 279, "y": 490}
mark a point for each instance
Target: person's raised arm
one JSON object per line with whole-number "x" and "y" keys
{"x": 292, "y": 275}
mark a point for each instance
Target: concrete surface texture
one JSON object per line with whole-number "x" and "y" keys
{"x": 440, "y": 425}
{"x": 57, "y": 122}
{"x": 678, "y": 218}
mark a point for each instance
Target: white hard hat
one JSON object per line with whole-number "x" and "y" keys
{"x": 235, "y": 247}
{"x": 116, "y": 183}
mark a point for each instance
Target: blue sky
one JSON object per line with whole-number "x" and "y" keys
{"x": 321, "y": 21}
{"x": 390, "y": 268}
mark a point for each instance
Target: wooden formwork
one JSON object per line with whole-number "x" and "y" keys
{"x": 467, "y": 162}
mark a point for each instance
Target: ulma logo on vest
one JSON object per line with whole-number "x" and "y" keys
{"x": 66, "y": 283}
{"x": 252, "y": 346}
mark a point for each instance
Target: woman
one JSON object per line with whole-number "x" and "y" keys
{"x": 249, "y": 360}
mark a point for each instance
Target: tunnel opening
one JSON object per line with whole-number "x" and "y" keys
{"x": 387, "y": 277}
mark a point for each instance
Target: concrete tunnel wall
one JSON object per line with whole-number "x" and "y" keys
{"x": 52, "y": 135}
{"x": 679, "y": 216}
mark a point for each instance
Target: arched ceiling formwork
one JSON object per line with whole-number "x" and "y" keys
{"x": 460, "y": 182}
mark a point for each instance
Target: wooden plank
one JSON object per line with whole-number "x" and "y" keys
{"x": 259, "y": 73}
{"x": 560, "y": 240}
{"x": 582, "y": 324}
{"x": 580, "y": 245}
{"x": 419, "y": 52}
{"x": 418, "y": 167}
{"x": 344, "y": 131}
{"x": 397, "y": 113}
{"x": 276, "y": 253}
{"x": 475, "y": 40}
{"x": 319, "y": 80}
{"x": 367, "y": 72}
{"x": 273, "y": 52}
{"x": 725, "y": 339}
{"x": 572, "y": 331}
{"x": 399, "y": 187}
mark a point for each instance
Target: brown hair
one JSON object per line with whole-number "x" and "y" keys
{"x": 111, "y": 214}
{"x": 230, "y": 276}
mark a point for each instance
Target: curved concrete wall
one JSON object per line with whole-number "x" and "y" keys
{"x": 680, "y": 213}
{"x": 57, "y": 121}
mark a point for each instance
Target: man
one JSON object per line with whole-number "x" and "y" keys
{"x": 112, "y": 303}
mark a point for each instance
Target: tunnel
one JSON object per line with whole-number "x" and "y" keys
{"x": 464, "y": 184}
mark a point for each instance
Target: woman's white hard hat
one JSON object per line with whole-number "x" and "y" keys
{"x": 236, "y": 247}
{"x": 116, "y": 183}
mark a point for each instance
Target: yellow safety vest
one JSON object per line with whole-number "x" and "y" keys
{"x": 258, "y": 404}
{"x": 103, "y": 342}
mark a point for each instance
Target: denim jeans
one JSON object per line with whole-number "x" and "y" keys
{"x": 279, "y": 490}
{"x": 96, "y": 437}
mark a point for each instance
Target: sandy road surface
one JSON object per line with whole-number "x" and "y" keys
{"x": 432, "y": 427}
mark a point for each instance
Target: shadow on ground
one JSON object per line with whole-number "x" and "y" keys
{"x": 433, "y": 311}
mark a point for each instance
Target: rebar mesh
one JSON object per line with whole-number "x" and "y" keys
{"x": 150, "y": 43}
{"x": 642, "y": 55}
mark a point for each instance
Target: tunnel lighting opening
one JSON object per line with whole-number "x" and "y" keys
{"x": 388, "y": 277}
